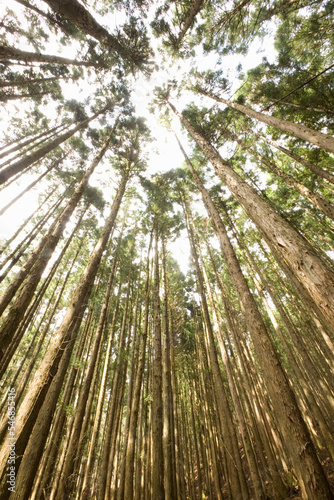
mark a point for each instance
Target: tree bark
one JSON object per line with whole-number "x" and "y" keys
{"x": 28, "y": 160}
{"x": 294, "y": 430}
{"x": 319, "y": 139}
{"x": 157, "y": 408}
{"x": 32, "y": 270}
{"x": 316, "y": 277}
{"x": 10, "y": 53}
{"x": 43, "y": 374}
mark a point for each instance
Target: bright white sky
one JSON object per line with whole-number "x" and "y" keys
{"x": 164, "y": 152}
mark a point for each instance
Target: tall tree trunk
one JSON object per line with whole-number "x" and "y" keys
{"x": 194, "y": 9}
{"x": 314, "y": 168}
{"x": 31, "y": 272}
{"x": 28, "y": 160}
{"x": 166, "y": 386}
{"x": 292, "y": 426}
{"x": 84, "y": 392}
{"x": 307, "y": 134}
{"x": 235, "y": 471}
{"x": 157, "y": 408}
{"x": 315, "y": 198}
{"x": 31, "y": 185}
{"x": 44, "y": 373}
{"x": 10, "y": 53}
{"x": 301, "y": 257}
{"x": 81, "y": 17}
{"x": 29, "y": 138}
{"x": 133, "y": 425}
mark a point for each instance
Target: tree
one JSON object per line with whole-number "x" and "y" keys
{"x": 133, "y": 374}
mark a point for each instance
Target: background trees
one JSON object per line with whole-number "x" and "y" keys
{"x": 133, "y": 378}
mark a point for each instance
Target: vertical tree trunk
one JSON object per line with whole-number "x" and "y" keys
{"x": 315, "y": 198}
{"x": 235, "y": 471}
{"x": 292, "y": 426}
{"x": 301, "y": 257}
{"x": 32, "y": 270}
{"x": 166, "y": 386}
{"x": 84, "y": 392}
{"x": 133, "y": 425}
{"x": 44, "y": 374}
{"x": 157, "y": 409}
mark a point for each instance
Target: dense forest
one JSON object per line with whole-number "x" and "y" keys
{"x": 124, "y": 373}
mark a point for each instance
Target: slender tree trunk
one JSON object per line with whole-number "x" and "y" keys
{"x": 315, "y": 198}
{"x": 44, "y": 374}
{"x": 314, "y": 168}
{"x": 252, "y": 463}
{"x": 84, "y": 392}
{"x": 10, "y": 53}
{"x": 292, "y": 426}
{"x": 319, "y": 139}
{"x": 194, "y": 9}
{"x": 236, "y": 475}
{"x": 28, "y": 140}
{"x": 31, "y": 185}
{"x": 25, "y": 162}
{"x": 130, "y": 450}
{"x": 81, "y": 17}
{"x": 166, "y": 386}
{"x": 32, "y": 270}
{"x": 157, "y": 408}
{"x": 301, "y": 257}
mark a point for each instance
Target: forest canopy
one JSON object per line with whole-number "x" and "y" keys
{"x": 166, "y": 250}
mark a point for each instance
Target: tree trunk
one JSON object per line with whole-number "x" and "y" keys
{"x": 43, "y": 374}
{"x": 31, "y": 272}
{"x": 314, "y": 168}
{"x": 130, "y": 450}
{"x": 319, "y": 139}
{"x": 315, "y": 198}
{"x": 84, "y": 392}
{"x": 236, "y": 475}
{"x": 81, "y": 17}
{"x": 293, "y": 428}
{"x": 10, "y": 53}
{"x": 25, "y": 162}
{"x": 301, "y": 257}
{"x": 157, "y": 409}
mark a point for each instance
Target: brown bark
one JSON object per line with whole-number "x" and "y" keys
{"x": 235, "y": 471}
{"x": 252, "y": 463}
{"x": 43, "y": 374}
{"x": 316, "y": 277}
{"x": 314, "y": 168}
{"x": 31, "y": 138}
{"x": 166, "y": 385}
{"x": 84, "y": 392}
{"x": 130, "y": 450}
{"x": 292, "y": 426}
{"x": 315, "y": 198}
{"x": 319, "y": 139}
{"x": 157, "y": 408}
{"x": 28, "y": 160}
{"x": 10, "y": 53}
{"x": 81, "y": 17}
{"x": 194, "y": 9}
{"x": 111, "y": 418}
{"x": 31, "y": 272}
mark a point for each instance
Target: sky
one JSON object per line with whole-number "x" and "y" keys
{"x": 164, "y": 152}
